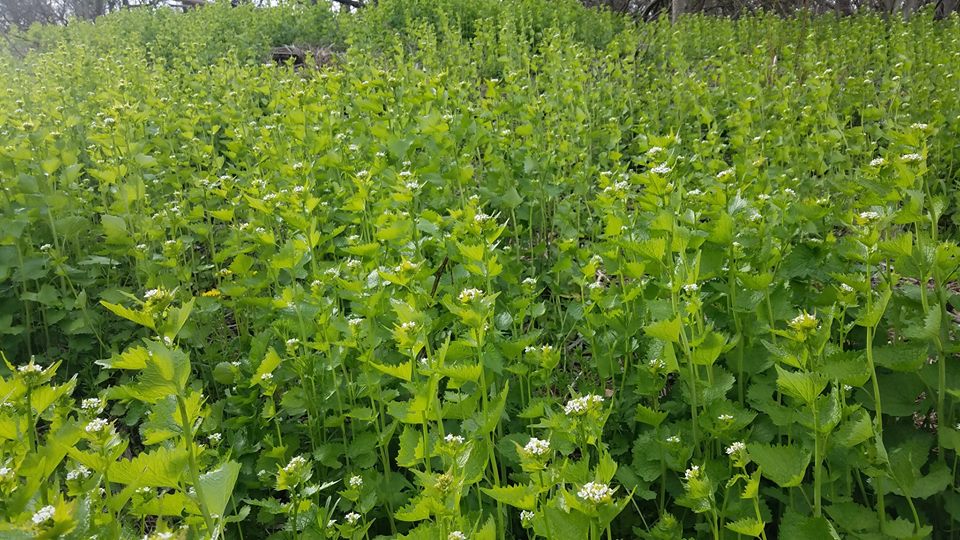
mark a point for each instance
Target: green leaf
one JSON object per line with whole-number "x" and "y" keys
{"x": 216, "y": 487}
{"x": 785, "y": 465}
{"x": 163, "y": 467}
{"x": 400, "y": 371}
{"x": 271, "y": 360}
{"x": 746, "y": 526}
{"x": 523, "y": 497}
{"x": 139, "y": 317}
{"x": 931, "y": 326}
{"x": 668, "y": 330}
{"x": 803, "y": 386}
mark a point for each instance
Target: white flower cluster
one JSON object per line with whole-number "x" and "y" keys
{"x": 352, "y": 518}
{"x": 6, "y": 473}
{"x": 44, "y": 515}
{"x": 469, "y": 295}
{"x": 355, "y": 482}
{"x": 692, "y": 472}
{"x": 89, "y": 404}
{"x": 79, "y": 473}
{"x": 910, "y": 158}
{"x": 725, "y": 173}
{"x": 30, "y": 368}
{"x": 595, "y": 492}
{"x": 537, "y": 447}
{"x": 877, "y": 162}
{"x": 526, "y": 516}
{"x": 581, "y": 404}
{"x": 804, "y": 319}
{"x": 97, "y": 425}
{"x": 454, "y": 439}
{"x": 296, "y": 462}
{"x": 869, "y": 215}
{"x": 457, "y": 535}
{"x": 661, "y": 169}
{"x": 725, "y": 418}
{"x": 691, "y": 288}
{"x": 736, "y": 448}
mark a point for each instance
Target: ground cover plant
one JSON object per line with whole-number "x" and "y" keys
{"x": 501, "y": 269}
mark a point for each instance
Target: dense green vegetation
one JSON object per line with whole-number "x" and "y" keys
{"x": 499, "y": 269}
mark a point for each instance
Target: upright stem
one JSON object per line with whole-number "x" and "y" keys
{"x": 194, "y": 468}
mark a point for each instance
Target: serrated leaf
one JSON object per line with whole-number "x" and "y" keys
{"x": 523, "y": 497}
{"x": 746, "y": 526}
{"x": 139, "y": 317}
{"x": 668, "y": 330}
{"x": 803, "y": 386}
{"x": 785, "y": 465}
{"x": 931, "y": 326}
{"x": 216, "y": 487}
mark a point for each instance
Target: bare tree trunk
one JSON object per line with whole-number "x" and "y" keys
{"x": 677, "y": 8}
{"x": 909, "y": 6}
{"x": 944, "y": 9}
{"x": 844, "y": 8}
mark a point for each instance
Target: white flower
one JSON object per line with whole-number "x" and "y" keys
{"x": 869, "y": 215}
{"x": 481, "y": 217}
{"x": 331, "y": 523}
{"x": 673, "y": 439}
{"x": 354, "y": 321}
{"x": 352, "y": 518}
{"x": 790, "y": 192}
{"x": 579, "y": 405}
{"x": 266, "y": 377}
{"x": 877, "y": 162}
{"x": 408, "y": 326}
{"x": 909, "y": 158}
{"x": 530, "y": 281}
{"x": 595, "y": 492}
{"x": 456, "y": 535}
{"x": 30, "y": 368}
{"x": 469, "y": 295}
{"x": 918, "y": 125}
{"x": 691, "y": 288}
{"x": 654, "y": 150}
{"x": 804, "y": 320}
{"x": 661, "y": 169}
{"x": 405, "y": 174}
{"x": 694, "y": 192}
{"x": 692, "y": 472}
{"x": 295, "y": 462}
{"x": 725, "y": 173}
{"x": 46, "y": 247}
{"x": 847, "y": 388}
{"x": 43, "y": 515}
{"x": 78, "y": 473}
{"x": 412, "y": 186}
{"x": 846, "y": 288}
{"x": 215, "y": 438}
{"x": 6, "y": 473}
{"x": 763, "y": 197}
{"x": 453, "y": 439}
{"x": 725, "y": 418}
{"x": 298, "y": 189}
{"x": 537, "y": 447}
{"x": 526, "y": 516}
{"x": 150, "y": 294}
{"x": 735, "y": 448}
{"x": 293, "y": 342}
{"x": 97, "y": 425}
{"x": 355, "y": 482}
